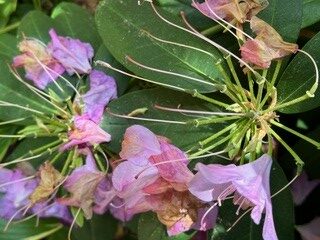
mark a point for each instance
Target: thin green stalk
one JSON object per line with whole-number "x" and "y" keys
{"x": 292, "y": 102}
{"x": 199, "y": 122}
{"x": 212, "y": 30}
{"x": 216, "y": 144}
{"x": 68, "y": 162}
{"x": 252, "y": 95}
{"x": 196, "y": 94}
{"x": 53, "y": 160}
{"x": 270, "y": 144}
{"x": 260, "y": 88}
{"x": 218, "y": 134}
{"x": 236, "y": 78}
{"x": 313, "y": 142}
{"x": 43, "y": 149}
{"x": 10, "y": 27}
{"x": 98, "y": 160}
{"x": 276, "y": 72}
{"x": 298, "y": 160}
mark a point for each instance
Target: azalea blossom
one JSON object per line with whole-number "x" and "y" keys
{"x": 74, "y": 55}
{"x": 234, "y": 11}
{"x": 40, "y": 66}
{"x": 249, "y": 185}
{"x": 86, "y": 130}
{"x": 155, "y": 177}
{"x": 16, "y": 193}
{"x": 267, "y": 46}
{"x": 82, "y": 185}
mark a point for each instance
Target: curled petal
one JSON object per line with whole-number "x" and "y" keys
{"x": 74, "y": 55}
{"x": 103, "y": 88}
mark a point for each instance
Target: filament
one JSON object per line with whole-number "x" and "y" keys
{"x": 145, "y": 119}
{"x": 107, "y": 65}
{"x": 17, "y": 181}
{"x": 169, "y": 73}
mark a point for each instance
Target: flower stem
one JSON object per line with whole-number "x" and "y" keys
{"x": 313, "y": 142}
{"x": 68, "y": 162}
{"x": 298, "y": 160}
{"x": 276, "y": 72}
{"x": 236, "y": 78}
{"x": 10, "y": 27}
{"x": 260, "y": 88}
{"x": 218, "y": 134}
{"x": 212, "y": 30}
{"x": 199, "y": 122}
{"x": 196, "y": 94}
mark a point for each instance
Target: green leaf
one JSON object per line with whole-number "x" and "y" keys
{"x": 12, "y": 91}
{"x": 6, "y": 142}
{"x": 28, "y": 230}
{"x": 7, "y": 7}
{"x": 100, "y": 227}
{"x": 148, "y": 99}
{"x": 8, "y": 46}
{"x": 129, "y": 38}
{"x": 283, "y": 214}
{"x": 299, "y": 77}
{"x": 285, "y": 17}
{"x": 76, "y": 22}
{"x": 311, "y": 12}
{"x": 149, "y": 228}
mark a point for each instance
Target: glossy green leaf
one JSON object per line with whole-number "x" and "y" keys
{"x": 14, "y": 92}
{"x": 76, "y": 22}
{"x": 285, "y": 17}
{"x": 148, "y": 99}
{"x": 298, "y": 78}
{"x": 98, "y": 228}
{"x": 28, "y": 230}
{"x": 149, "y": 227}
{"x": 6, "y": 142}
{"x": 8, "y": 46}
{"x": 311, "y": 12}
{"x": 245, "y": 229}
{"x": 7, "y": 7}
{"x": 129, "y": 38}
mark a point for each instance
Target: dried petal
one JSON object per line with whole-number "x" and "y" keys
{"x": 40, "y": 66}
{"x": 49, "y": 179}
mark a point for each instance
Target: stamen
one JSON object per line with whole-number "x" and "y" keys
{"x": 13, "y": 216}
{"x": 178, "y": 44}
{"x": 170, "y": 73}
{"x": 12, "y": 121}
{"x": 180, "y": 160}
{"x": 286, "y": 186}
{"x": 38, "y": 92}
{"x": 227, "y": 191}
{"x": 19, "y": 160}
{"x": 17, "y": 181}
{"x": 145, "y": 119}
{"x": 73, "y": 222}
{"x": 115, "y": 206}
{"x": 197, "y": 34}
{"x": 107, "y": 65}
{"x": 206, "y": 214}
{"x": 196, "y": 112}
{"x": 47, "y": 72}
{"x": 224, "y": 21}
{"x": 27, "y": 108}
{"x": 236, "y": 222}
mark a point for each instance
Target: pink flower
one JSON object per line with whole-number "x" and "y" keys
{"x": 82, "y": 184}
{"x": 310, "y": 231}
{"x": 74, "y": 55}
{"x": 40, "y": 66}
{"x": 155, "y": 177}
{"x": 103, "y": 88}
{"x": 249, "y": 185}
{"x": 85, "y": 133}
{"x": 233, "y": 11}
{"x": 267, "y": 46}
